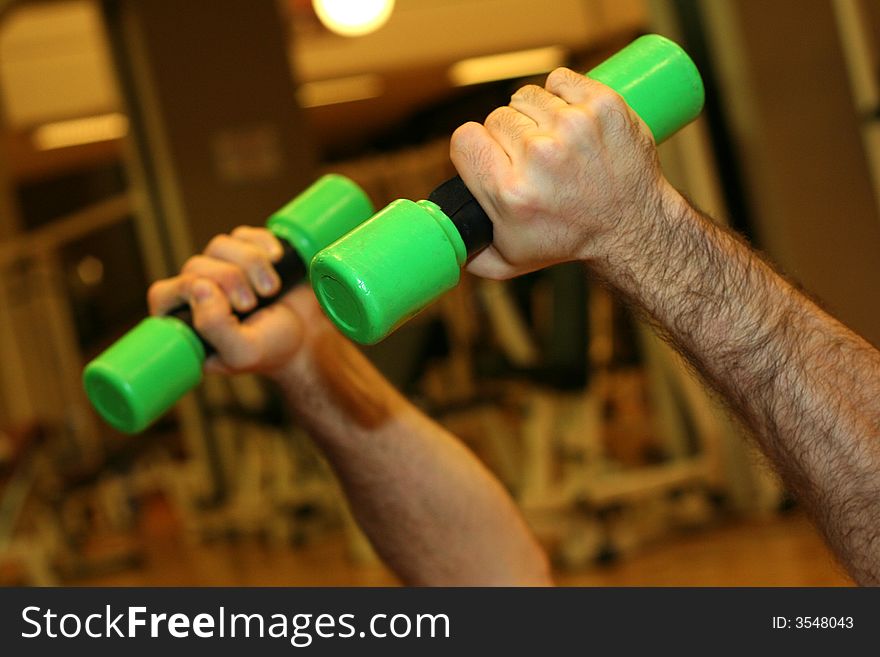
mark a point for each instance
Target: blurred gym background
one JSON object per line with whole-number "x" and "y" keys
{"x": 131, "y": 131}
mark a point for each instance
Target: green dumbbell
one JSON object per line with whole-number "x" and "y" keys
{"x": 392, "y": 266}
{"x": 147, "y": 370}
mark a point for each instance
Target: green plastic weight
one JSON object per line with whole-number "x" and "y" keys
{"x": 392, "y": 266}
{"x": 146, "y": 371}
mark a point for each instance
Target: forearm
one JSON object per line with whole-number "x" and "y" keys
{"x": 431, "y": 510}
{"x": 806, "y": 385}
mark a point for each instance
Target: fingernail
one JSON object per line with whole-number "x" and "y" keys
{"x": 242, "y": 298}
{"x": 202, "y": 290}
{"x": 265, "y": 282}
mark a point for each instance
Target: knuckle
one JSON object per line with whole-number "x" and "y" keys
{"x": 457, "y": 144}
{"x": 192, "y": 264}
{"x": 275, "y": 243}
{"x": 516, "y": 197}
{"x": 228, "y": 277}
{"x": 222, "y": 273}
{"x": 527, "y": 93}
{"x": 497, "y": 117}
{"x": 217, "y": 243}
{"x": 607, "y": 104}
{"x": 467, "y": 150}
{"x": 184, "y": 284}
{"x": 155, "y": 296}
{"x": 507, "y": 121}
{"x": 461, "y": 136}
{"x": 576, "y": 121}
{"x": 543, "y": 149}
{"x": 252, "y": 259}
{"x": 208, "y": 323}
{"x": 558, "y": 77}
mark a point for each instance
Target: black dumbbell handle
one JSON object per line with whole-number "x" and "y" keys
{"x": 472, "y": 222}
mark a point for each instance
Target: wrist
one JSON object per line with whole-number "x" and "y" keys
{"x": 288, "y": 373}
{"x": 636, "y": 241}
{"x": 297, "y": 373}
{"x": 329, "y": 382}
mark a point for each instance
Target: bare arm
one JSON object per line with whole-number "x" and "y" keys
{"x": 433, "y": 512}
{"x": 808, "y": 386}
{"x": 568, "y": 172}
{"x": 430, "y": 508}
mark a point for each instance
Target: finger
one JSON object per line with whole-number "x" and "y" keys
{"x": 481, "y": 162}
{"x": 262, "y": 239}
{"x": 596, "y": 99}
{"x": 232, "y": 279}
{"x": 273, "y": 332}
{"x": 214, "y": 321}
{"x": 265, "y": 340}
{"x": 508, "y": 127}
{"x": 491, "y": 264}
{"x": 574, "y": 88}
{"x": 167, "y": 294}
{"x": 252, "y": 259}
{"x": 538, "y": 104}
{"x": 242, "y": 346}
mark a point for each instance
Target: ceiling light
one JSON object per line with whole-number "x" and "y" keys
{"x": 353, "y": 17}
{"x": 506, "y": 66}
{"x": 75, "y": 132}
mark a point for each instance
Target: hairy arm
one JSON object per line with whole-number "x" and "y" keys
{"x": 429, "y": 507}
{"x": 807, "y": 386}
{"x": 569, "y": 172}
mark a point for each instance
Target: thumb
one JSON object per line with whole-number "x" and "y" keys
{"x": 491, "y": 264}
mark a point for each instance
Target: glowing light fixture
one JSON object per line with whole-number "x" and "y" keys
{"x": 505, "y": 66}
{"x": 75, "y": 132}
{"x": 353, "y": 17}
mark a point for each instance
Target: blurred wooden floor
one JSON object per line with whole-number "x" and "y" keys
{"x": 784, "y": 551}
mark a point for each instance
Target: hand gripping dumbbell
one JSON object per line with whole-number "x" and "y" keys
{"x": 392, "y": 266}
{"x": 147, "y": 370}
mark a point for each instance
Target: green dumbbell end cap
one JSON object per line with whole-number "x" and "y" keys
{"x": 144, "y": 373}
{"x": 388, "y": 269}
{"x": 658, "y": 80}
{"x": 331, "y": 207}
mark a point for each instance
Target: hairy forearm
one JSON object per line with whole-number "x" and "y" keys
{"x": 431, "y": 510}
{"x": 806, "y": 385}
